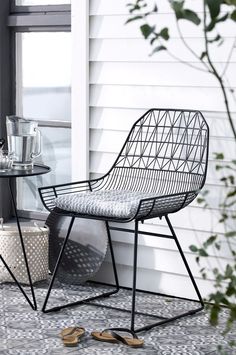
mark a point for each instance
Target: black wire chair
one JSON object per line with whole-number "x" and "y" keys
{"x": 160, "y": 170}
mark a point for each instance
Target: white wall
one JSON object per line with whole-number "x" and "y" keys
{"x": 124, "y": 82}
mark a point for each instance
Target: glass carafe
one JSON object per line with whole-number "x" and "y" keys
{"x": 24, "y": 141}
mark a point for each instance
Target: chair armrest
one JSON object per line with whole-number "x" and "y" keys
{"x": 49, "y": 193}
{"x": 162, "y": 205}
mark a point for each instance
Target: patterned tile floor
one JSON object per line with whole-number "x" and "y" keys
{"x": 24, "y": 331}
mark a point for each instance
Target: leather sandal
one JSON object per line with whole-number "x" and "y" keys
{"x": 71, "y": 335}
{"x": 110, "y": 335}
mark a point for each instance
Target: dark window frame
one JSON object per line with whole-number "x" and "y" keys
{"x": 14, "y": 19}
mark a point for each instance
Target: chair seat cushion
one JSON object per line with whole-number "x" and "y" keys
{"x": 104, "y": 203}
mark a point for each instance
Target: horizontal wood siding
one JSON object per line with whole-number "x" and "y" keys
{"x": 125, "y": 81}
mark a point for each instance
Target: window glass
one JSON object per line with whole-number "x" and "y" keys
{"x": 56, "y": 154}
{"x": 43, "y": 85}
{"x": 42, "y": 2}
{"x": 44, "y": 75}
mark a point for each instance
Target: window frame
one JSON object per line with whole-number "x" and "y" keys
{"x": 79, "y": 27}
{"x": 47, "y": 18}
{"x": 40, "y": 18}
{"x": 6, "y": 96}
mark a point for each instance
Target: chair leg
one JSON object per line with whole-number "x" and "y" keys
{"x": 105, "y": 294}
{"x": 134, "y": 275}
{"x": 112, "y": 257}
{"x": 57, "y": 264}
{"x": 185, "y": 262}
{"x": 163, "y": 320}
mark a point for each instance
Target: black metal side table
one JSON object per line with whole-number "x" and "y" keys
{"x": 11, "y": 175}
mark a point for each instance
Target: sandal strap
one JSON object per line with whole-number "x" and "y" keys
{"x": 71, "y": 331}
{"x": 119, "y": 337}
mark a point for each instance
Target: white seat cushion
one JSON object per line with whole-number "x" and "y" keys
{"x": 105, "y": 203}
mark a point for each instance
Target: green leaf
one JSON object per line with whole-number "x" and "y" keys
{"x": 218, "y": 167}
{"x": 164, "y": 33}
{"x": 202, "y": 252}
{"x": 230, "y": 291}
{"x": 230, "y": 204}
{"x": 233, "y": 15}
{"x": 158, "y": 49}
{"x": 188, "y": 15}
{"x": 219, "y": 156}
{"x": 191, "y": 16}
{"x": 217, "y": 246}
{"x": 224, "y": 301}
{"x": 224, "y": 179}
{"x": 217, "y": 297}
{"x": 220, "y": 42}
{"x": 147, "y": 30}
{"x": 153, "y": 40}
{"x": 177, "y": 6}
{"x": 228, "y": 271}
{"x": 231, "y": 179}
{"x": 233, "y": 313}
{"x": 200, "y": 200}
{"x": 209, "y": 241}
{"x": 134, "y": 19}
{"x": 138, "y": 5}
{"x": 230, "y": 234}
{"x": 214, "y": 21}
{"x": 214, "y": 314}
{"x": 224, "y": 216}
{"x": 230, "y": 2}
{"x": 223, "y": 18}
{"x": 217, "y": 38}
{"x": 193, "y": 248}
{"x": 232, "y": 343}
{"x": 231, "y": 193}
{"x": 184, "y": 14}
{"x": 214, "y": 7}
{"x": 155, "y": 8}
{"x": 211, "y": 25}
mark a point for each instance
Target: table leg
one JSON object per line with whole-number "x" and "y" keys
{"x": 34, "y": 304}
{"x": 16, "y": 281}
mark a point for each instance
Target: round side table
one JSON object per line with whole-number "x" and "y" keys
{"x": 11, "y": 175}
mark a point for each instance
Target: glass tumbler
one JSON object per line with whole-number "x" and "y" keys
{"x": 5, "y": 160}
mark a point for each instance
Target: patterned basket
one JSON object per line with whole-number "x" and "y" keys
{"x": 36, "y": 247}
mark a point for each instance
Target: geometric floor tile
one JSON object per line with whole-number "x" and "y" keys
{"x": 27, "y": 332}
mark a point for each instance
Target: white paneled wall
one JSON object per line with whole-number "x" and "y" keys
{"x": 125, "y": 81}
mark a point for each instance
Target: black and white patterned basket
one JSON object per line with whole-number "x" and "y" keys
{"x": 85, "y": 250}
{"x": 36, "y": 247}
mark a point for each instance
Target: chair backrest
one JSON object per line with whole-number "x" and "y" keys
{"x": 166, "y": 151}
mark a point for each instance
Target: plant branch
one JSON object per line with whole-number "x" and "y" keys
{"x": 229, "y": 57}
{"x": 183, "y": 61}
{"x": 216, "y": 74}
{"x": 231, "y": 90}
{"x": 190, "y": 49}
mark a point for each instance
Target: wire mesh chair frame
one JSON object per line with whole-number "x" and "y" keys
{"x": 165, "y": 155}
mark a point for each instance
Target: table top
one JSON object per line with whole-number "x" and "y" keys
{"x": 36, "y": 170}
